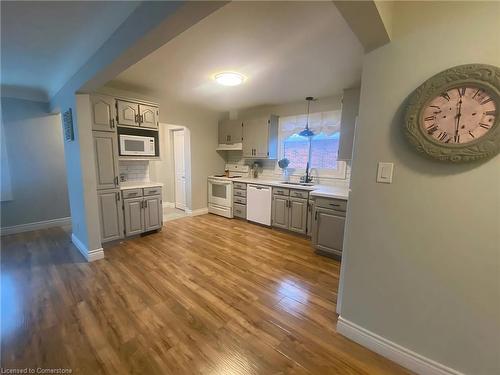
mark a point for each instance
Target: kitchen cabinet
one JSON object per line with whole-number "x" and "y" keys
{"x": 298, "y": 215}
{"x": 230, "y": 132}
{"x": 103, "y": 113}
{"x": 106, "y": 160}
{"x": 328, "y": 226}
{"x": 133, "y": 215}
{"x": 280, "y": 212}
{"x": 240, "y": 200}
{"x": 110, "y": 215}
{"x": 260, "y": 138}
{"x": 350, "y": 109}
{"x": 153, "y": 213}
{"x": 135, "y": 114}
{"x": 128, "y": 113}
{"x": 142, "y": 212}
{"x": 148, "y": 116}
{"x": 290, "y": 210}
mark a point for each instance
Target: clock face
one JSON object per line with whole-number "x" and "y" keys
{"x": 459, "y": 115}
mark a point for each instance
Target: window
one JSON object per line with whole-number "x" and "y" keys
{"x": 324, "y": 145}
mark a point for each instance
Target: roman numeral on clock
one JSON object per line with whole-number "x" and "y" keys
{"x": 486, "y": 101}
{"x": 442, "y": 136}
{"x": 475, "y": 94}
{"x": 446, "y": 96}
{"x": 472, "y": 135}
{"x": 432, "y": 129}
{"x": 490, "y": 113}
{"x": 430, "y": 118}
{"x": 484, "y": 126}
{"x": 461, "y": 91}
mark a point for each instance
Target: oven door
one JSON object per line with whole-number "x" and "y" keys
{"x": 137, "y": 145}
{"x": 220, "y": 192}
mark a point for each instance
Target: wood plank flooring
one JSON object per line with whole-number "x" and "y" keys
{"x": 207, "y": 295}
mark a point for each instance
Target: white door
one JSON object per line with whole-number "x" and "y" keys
{"x": 179, "y": 170}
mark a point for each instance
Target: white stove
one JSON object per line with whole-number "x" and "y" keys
{"x": 220, "y": 189}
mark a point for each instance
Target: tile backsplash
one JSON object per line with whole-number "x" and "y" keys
{"x": 134, "y": 170}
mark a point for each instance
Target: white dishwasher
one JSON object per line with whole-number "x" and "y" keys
{"x": 259, "y": 204}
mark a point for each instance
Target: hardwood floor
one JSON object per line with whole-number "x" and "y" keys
{"x": 207, "y": 295}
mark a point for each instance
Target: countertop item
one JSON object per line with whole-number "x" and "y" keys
{"x": 138, "y": 185}
{"x": 327, "y": 191}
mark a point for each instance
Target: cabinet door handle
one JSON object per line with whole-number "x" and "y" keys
{"x": 141, "y": 119}
{"x": 145, "y": 204}
{"x": 316, "y": 216}
{"x": 116, "y": 180}
{"x": 112, "y": 123}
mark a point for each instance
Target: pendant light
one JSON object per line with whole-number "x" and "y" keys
{"x": 307, "y": 132}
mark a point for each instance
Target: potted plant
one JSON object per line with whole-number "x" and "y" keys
{"x": 283, "y": 164}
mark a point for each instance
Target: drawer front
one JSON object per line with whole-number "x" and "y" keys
{"x": 156, "y": 190}
{"x": 299, "y": 194}
{"x": 240, "y": 200}
{"x": 240, "y": 210}
{"x": 281, "y": 191}
{"x": 240, "y": 193}
{"x": 239, "y": 185}
{"x": 333, "y": 204}
{"x": 132, "y": 193}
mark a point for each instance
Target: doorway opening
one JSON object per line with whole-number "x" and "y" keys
{"x": 178, "y": 148}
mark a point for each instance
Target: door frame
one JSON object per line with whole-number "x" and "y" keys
{"x": 174, "y": 156}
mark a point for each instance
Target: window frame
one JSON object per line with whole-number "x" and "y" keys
{"x": 328, "y": 173}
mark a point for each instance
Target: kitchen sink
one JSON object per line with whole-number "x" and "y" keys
{"x": 298, "y": 183}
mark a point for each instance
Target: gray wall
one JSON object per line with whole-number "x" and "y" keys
{"x": 422, "y": 255}
{"x": 36, "y": 159}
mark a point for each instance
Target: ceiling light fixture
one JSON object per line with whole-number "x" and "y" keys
{"x": 229, "y": 78}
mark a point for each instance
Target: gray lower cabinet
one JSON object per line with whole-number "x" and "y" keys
{"x": 134, "y": 216}
{"x": 280, "y": 212}
{"x": 153, "y": 213}
{"x": 106, "y": 160}
{"x": 142, "y": 213}
{"x": 298, "y": 215}
{"x": 289, "y": 213}
{"x": 110, "y": 215}
{"x": 328, "y": 230}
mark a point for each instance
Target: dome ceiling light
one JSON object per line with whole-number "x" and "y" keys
{"x": 229, "y": 78}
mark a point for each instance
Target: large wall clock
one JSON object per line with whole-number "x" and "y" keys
{"x": 454, "y": 115}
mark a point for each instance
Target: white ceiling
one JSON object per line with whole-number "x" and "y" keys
{"x": 288, "y": 50}
{"x": 43, "y": 43}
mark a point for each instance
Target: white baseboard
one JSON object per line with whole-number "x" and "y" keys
{"x": 393, "y": 351}
{"x": 36, "y": 225}
{"x": 91, "y": 255}
{"x": 200, "y": 211}
{"x": 168, "y": 205}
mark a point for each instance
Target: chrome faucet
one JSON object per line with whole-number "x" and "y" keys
{"x": 307, "y": 177}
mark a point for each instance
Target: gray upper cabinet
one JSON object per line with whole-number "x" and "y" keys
{"x": 110, "y": 215}
{"x": 128, "y": 113}
{"x": 148, "y": 116}
{"x": 153, "y": 213}
{"x": 230, "y": 131}
{"x": 260, "y": 138}
{"x": 103, "y": 113}
{"x": 328, "y": 230}
{"x": 106, "y": 160}
{"x": 350, "y": 109}
{"x": 298, "y": 215}
{"x": 134, "y": 216}
{"x": 280, "y": 212}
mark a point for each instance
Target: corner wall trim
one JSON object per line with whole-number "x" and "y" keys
{"x": 35, "y": 226}
{"x": 397, "y": 353}
{"x": 91, "y": 255}
{"x": 200, "y": 211}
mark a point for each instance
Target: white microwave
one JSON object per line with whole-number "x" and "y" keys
{"x": 137, "y": 145}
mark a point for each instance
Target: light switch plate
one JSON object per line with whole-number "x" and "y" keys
{"x": 384, "y": 172}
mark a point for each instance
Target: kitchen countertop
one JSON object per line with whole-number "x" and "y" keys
{"x": 327, "y": 191}
{"x": 139, "y": 185}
